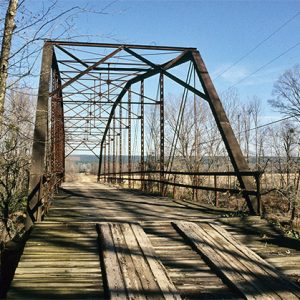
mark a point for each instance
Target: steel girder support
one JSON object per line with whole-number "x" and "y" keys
{"x": 106, "y": 45}
{"x": 142, "y": 134}
{"x": 120, "y": 144}
{"x": 129, "y": 138}
{"x": 162, "y": 132}
{"x": 40, "y": 135}
{"x": 104, "y": 161}
{"x": 109, "y": 152}
{"x": 233, "y": 148}
{"x": 114, "y": 139}
{"x": 180, "y": 59}
{"x": 210, "y": 94}
{"x": 163, "y": 69}
{"x": 86, "y": 71}
{"x": 57, "y": 146}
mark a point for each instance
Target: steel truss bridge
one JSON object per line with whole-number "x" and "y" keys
{"x": 99, "y": 242}
{"x": 94, "y": 97}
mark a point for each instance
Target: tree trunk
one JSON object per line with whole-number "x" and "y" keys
{"x": 295, "y": 200}
{"x": 5, "y": 49}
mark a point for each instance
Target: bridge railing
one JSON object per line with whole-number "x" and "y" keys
{"x": 145, "y": 177}
{"x": 41, "y": 194}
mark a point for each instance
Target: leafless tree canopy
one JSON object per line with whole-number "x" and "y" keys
{"x": 287, "y": 93}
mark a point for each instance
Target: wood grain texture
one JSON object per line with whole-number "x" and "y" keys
{"x": 64, "y": 248}
{"x": 237, "y": 264}
{"x": 128, "y": 278}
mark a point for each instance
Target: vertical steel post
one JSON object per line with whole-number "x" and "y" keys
{"x": 120, "y": 144}
{"x": 258, "y": 192}
{"x": 102, "y": 147}
{"x": 129, "y": 137}
{"x": 53, "y": 125}
{"x": 57, "y": 137}
{"x": 57, "y": 130}
{"x": 142, "y": 137}
{"x": 108, "y": 155}
{"x": 196, "y": 141}
{"x": 216, "y": 192}
{"x": 40, "y": 133}
{"x": 162, "y": 131}
{"x": 117, "y": 154}
{"x": 109, "y": 131}
{"x": 100, "y": 95}
{"x": 104, "y": 162}
{"x": 114, "y": 138}
{"x": 63, "y": 137}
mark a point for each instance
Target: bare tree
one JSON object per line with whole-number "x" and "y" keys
{"x": 24, "y": 33}
{"x": 5, "y": 50}
{"x": 14, "y": 163}
{"x": 287, "y": 93}
{"x": 255, "y": 113}
{"x": 285, "y": 147}
{"x": 153, "y": 143}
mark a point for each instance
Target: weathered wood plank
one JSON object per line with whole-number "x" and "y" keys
{"x": 141, "y": 276}
{"x": 255, "y": 263}
{"x": 141, "y": 267}
{"x": 113, "y": 275}
{"x": 62, "y": 263}
{"x": 244, "y": 269}
{"x": 247, "y": 268}
{"x": 213, "y": 256}
{"x": 75, "y": 219}
{"x": 163, "y": 280}
{"x": 132, "y": 282}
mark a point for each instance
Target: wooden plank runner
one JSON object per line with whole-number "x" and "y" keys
{"x": 131, "y": 268}
{"x": 236, "y": 264}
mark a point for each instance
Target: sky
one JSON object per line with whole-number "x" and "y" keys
{"x": 223, "y": 32}
{"x": 245, "y": 44}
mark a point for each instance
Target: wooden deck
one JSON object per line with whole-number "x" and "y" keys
{"x": 61, "y": 257}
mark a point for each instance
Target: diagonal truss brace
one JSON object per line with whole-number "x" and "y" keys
{"x": 87, "y": 70}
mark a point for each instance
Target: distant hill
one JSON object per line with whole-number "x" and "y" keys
{"x": 87, "y": 159}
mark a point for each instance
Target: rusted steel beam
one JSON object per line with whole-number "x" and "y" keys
{"x": 106, "y": 45}
{"x": 162, "y": 131}
{"x": 170, "y": 64}
{"x": 129, "y": 137}
{"x": 105, "y": 63}
{"x": 108, "y": 152}
{"x": 104, "y": 162}
{"x": 161, "y": 69}
{"x": 57, "y": 136}
{"x": 91, "y": 118}
{"x": 142, "y": 132}
{"x": 83, "y": 102}
{"x": 122, "y": 69}
{"x": 208, "y": 173}
{"x": 234, "y": 151}
{"x": 180, "y": 59}
{"x": 87, "y": 70}
{"x": 40, "y": 131}
{"x": 73, "y": 56}
{"x": 120, "y": 144}
{"x": 121, "y": 95}
{"x": 114, "y": 147}
{"x": 199, "y": 187}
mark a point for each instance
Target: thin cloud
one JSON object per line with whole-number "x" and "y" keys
{"x": 234, "y": 74}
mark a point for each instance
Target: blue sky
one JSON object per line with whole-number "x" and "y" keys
{"x": 223, "y": 32}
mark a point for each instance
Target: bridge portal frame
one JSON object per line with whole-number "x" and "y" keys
{"x": 41, "y": 169}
